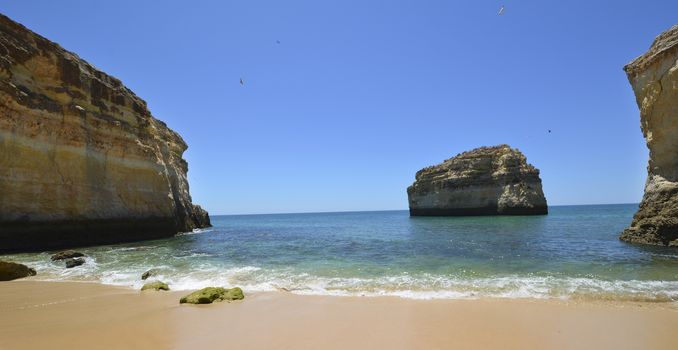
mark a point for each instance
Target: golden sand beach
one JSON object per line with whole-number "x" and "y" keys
{"x": 64, "y": 315}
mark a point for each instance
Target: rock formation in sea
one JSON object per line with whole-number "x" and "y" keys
{"x": 654, "y": 78}
{"x": 74, "y": 262}
{"x": 149, "y": 273}
{"x": 66, "y": 254}
{"x": 484, "y": 181}
{"x": 82, "y": 160}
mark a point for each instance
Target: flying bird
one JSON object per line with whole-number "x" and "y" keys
{"x": 549, "y": 131}
{"x": 242, "y": 82}
{"x": 277, "y": 41}
{"x": 501, "y": 11}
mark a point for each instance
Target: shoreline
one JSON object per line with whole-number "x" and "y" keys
{"x": 622, "y": 296}
{"x": 609, "y": 295}
{"x": 35, "y": 314}
{"x": 569, "y": 300}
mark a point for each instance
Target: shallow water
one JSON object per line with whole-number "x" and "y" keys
{"x": 573, "y": 252}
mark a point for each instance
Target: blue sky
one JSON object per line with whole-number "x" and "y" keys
{"x": 359, "y": 95}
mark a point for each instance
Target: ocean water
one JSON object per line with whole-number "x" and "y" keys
{"x": 573, "y": 252}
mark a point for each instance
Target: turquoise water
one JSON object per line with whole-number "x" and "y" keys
{"x": 573, "y": 252}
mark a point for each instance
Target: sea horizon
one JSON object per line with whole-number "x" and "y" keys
{"x": 391, "y": 210}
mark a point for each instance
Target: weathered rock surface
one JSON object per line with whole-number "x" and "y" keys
{"x": 211, "y": 294}
{"x": 82, "y": 160}
{"x": 73, "y": 262}
{"x": 11, "y": 271}
{"x": 157, "y": 286}
{"x": 200, "y": 217}
{"x": 654, "y": 78}
{"x": 66, "y": 254}
{"x": 484, "y": 181}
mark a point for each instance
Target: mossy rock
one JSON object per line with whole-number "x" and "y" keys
{"x": 155, "y": 286}
{"x": 11, "y": 271}
{"x": 211, "y": 294}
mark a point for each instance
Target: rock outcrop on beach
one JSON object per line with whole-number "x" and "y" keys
{"x": 11, "y": 271}
{"x": 654, "y": 78}
{"x": 82, "y": 160}
{"x": 157, "y": 286}
{"x": 484, "y": 181}
{"x": 212, "y": 294}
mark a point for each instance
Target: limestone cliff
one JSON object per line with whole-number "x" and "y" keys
{"x": 82, "y": 160}
{"x": 654, "y": 78}
{"x": 484, "y": 181}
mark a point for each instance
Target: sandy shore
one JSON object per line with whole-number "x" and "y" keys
{"x": 55, "y": 315}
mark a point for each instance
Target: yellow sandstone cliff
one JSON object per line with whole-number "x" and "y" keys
{"x": 654, "y": 78}
{"x": 495, "y": 180}
{"x": 82, "y": 160}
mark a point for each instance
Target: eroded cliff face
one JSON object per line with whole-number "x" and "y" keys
{"x": 82, "y": 160}
{"x": 484, "y": 181}
{"x": 654, "y": 78}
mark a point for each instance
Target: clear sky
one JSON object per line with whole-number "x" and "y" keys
{"x": 359, "y": 95}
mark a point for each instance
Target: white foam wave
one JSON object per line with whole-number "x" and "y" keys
{"x": 185, "y": 276}
{"x": 127, "y": 249}
{"x": 196, "y": 231}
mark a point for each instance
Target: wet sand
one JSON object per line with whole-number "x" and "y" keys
{"x": 58, "y": 315}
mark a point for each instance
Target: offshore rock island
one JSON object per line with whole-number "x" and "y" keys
{"x": 654, "y": 78}
{"x": 485, "y": 181}
{"x": 82, "y": 160}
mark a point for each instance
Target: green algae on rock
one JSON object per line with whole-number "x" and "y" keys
{"x": 211, "y": 294}
{"x": 155, "y": 286}
{"x": 11, "y": 271}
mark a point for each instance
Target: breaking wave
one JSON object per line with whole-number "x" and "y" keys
{"x": 420, "y": 286}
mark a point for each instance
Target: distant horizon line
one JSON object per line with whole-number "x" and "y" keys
{"x": 384, "y": 210}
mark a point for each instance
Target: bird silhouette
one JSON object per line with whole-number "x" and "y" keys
{"x": 242, "y": 82}
{"x": 277, "y": 41}
{"x": 549, "y": 131}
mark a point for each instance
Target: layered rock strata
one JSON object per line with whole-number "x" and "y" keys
{"x": 484, "y": 181}
{"x": 82, "y": 160}
{"x": 654, "y": 78}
